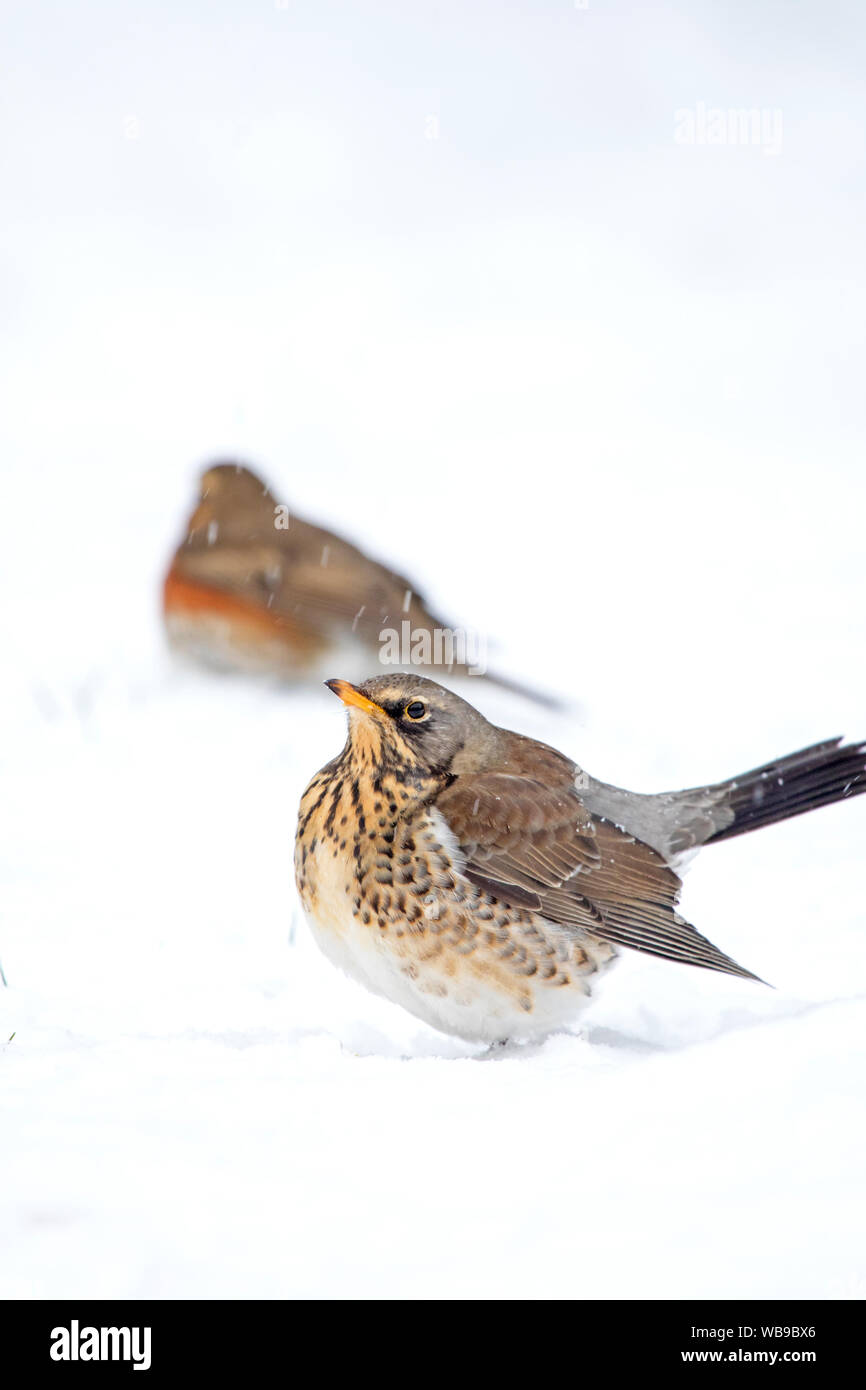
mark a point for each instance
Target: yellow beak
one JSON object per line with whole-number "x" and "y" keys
{"x": 350, "y": 696}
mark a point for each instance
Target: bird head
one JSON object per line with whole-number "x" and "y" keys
{"x": 410, "y": 723}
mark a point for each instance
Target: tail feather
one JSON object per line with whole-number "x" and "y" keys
{"x": 803, "y": 781}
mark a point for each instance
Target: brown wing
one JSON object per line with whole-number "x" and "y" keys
{"x": 329, "y": 577}
{"x": 314, "y": 584}
{"x": 235, "y": 542}
{"x": 536, "y": 847}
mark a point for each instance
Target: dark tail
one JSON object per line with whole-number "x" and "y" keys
{"x": 815, "y": 776}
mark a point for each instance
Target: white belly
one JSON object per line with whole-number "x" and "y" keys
{"x": 467, "y": 1006}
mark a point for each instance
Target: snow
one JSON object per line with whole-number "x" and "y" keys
{"x": 600, "y": 395}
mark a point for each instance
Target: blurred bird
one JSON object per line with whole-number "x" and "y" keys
{"x": 252, "y": 588}
{"x": 483, "y": 880}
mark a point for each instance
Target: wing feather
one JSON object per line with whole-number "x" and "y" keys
{"x": 533, "y": 846}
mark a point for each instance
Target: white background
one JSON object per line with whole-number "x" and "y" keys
{"x": 444, "y": 274}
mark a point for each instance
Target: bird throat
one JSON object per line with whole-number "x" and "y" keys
{"x": 384, "y": 765}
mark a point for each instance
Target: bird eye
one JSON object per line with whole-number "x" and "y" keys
{"x": 416, "y": 710}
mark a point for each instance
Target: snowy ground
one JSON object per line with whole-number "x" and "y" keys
{"x": 632, "y": 373}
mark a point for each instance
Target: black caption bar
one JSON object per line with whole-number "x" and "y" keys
{"x": 152, "y": 1340}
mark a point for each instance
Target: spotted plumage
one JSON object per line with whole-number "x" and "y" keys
{"x": 483, "y": 881}
{"x": 382, "y": 882}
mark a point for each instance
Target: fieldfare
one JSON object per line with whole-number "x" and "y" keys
{"x": 253, "y": 588}
{"x": 482, "y": 879}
